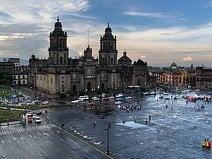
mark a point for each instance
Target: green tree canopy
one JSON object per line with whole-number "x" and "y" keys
{"x": 5, "y": 78}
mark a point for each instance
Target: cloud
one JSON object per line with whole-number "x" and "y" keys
{"x": 27, "y": 11}
{"x": 209, "y": 4}
{"x": 146, "y": 14}
{"x": 172, "y": 43}
{"x": 25, "y": 25}
{"x": 156, "y": 15}
{"x": 170, "y": 35}
{"x": 84, "y": 16}
{"x": 143, "y": 57}
{"x": 187, "y": 59}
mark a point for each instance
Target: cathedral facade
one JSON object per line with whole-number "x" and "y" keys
{"x": 62, "y": 74}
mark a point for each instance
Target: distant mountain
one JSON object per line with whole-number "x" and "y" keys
{"x": 22, "y": 61}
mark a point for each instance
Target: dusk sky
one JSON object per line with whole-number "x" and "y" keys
{"x": 157, "y": 31}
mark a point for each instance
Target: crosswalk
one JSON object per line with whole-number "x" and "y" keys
{"x": 21, "y": 129}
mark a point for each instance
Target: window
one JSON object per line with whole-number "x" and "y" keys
{"x": 64, "y": 58}
{"x": 102, "y": 75}
{"x": 61, "y": 43}
{"x": 63, "y": 89}
{"x": 61, "y": 60}
{"x": 63, "y": 71}
{"x": 88, "y": 71}
{"x": 111, "y": 61}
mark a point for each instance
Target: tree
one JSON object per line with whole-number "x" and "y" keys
{"x": 5, "y": 78}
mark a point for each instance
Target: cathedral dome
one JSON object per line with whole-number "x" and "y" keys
{"x": 108, "y": 29}
{"x": 58, "y": 24}
{"x": 124, "y": 60}
{"x": 173, "y": 65}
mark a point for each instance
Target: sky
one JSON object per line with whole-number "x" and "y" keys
{"x": 159, "y": 32}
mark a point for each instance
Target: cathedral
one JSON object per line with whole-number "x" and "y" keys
{"x": 61, "y": 74}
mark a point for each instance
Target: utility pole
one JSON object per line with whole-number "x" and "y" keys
{"x": 108, "y": 137}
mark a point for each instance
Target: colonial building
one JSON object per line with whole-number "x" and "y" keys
{"x": 20, "y": 78}
{"x": 203, "y": 78}
{"x": 18, "y": 72}
{"x": 7, "y": 66}
{"x": 61, "y": 74}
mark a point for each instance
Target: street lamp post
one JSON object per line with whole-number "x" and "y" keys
{"x": 108, "y": 137}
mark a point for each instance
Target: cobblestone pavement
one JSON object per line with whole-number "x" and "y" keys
{"x": 174, "y": 131}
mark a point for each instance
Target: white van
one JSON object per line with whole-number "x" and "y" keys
{"x": 83, "y": 98}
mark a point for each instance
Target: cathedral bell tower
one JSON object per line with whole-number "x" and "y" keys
{"x": 88, "y": 52}
{"x": 108, "y": 52}
{"x": 58, "y": 50}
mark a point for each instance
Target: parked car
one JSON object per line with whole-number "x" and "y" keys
{"x": 29, "y": 115}
{"x": 83, "y": 98}
{"x": 38, "y": 112}
{"x": 29, "y": 119}
{"x": 19, "y": 104}
{"x": 45, "y": 103}
{"x": 95, "y": 98}
{"x": 74, "y": 101}
{"x": 34, "y": 116}
{"x": 37, "y": 120}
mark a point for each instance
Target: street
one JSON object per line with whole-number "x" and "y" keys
{"x": 150, "y": 129}
{"x": 42, "y": 141}
{"x": 174, "y": 131}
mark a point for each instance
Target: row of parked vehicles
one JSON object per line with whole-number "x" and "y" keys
{"x": 33, "y": 116}
{"x": 103, "y": 97}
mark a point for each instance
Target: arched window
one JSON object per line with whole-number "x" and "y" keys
{"x": 64, "y": 58}
{"x": 61, "y": 43}
{"x": 111, "y": 61}
{"x": 101, "y": 46}
{"x": 61, "y": 60}
{"x": 139, "y": 82}
{"x": 74, "y": 88}
{"x": 57, "y": 43}
{"x": 57, "y": 58}
{"x": 89, "y": 86}
{"x": 102, "y": 86}
{"x": 63, "y": 88}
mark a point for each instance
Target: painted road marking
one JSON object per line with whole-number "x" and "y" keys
{"x": 86, "y": 143}
{"x": 20, "y": 130}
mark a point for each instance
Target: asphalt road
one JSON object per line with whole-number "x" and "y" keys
{"x": 43, "y": 142}
{"x": 173, "y": 132}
